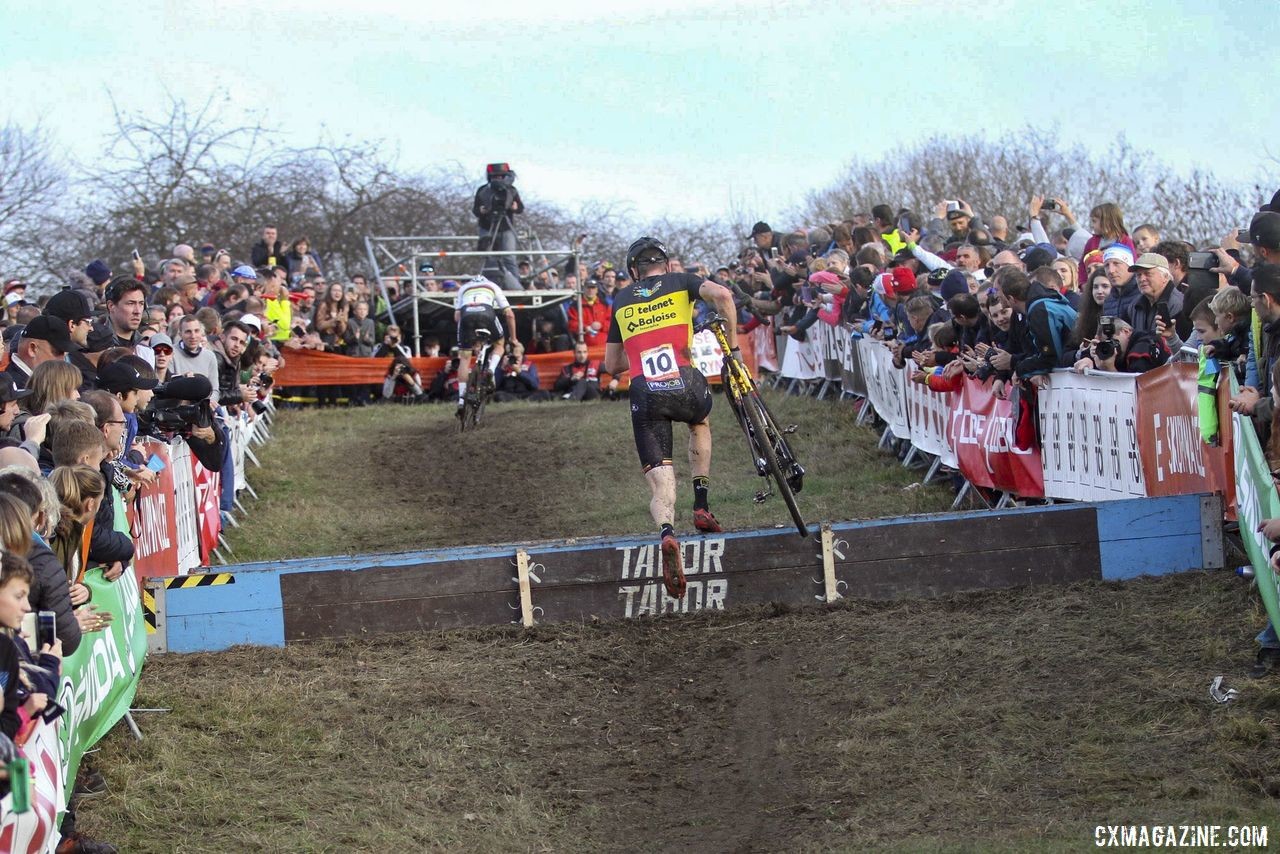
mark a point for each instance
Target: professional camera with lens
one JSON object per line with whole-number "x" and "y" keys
{"x": 501, "y": 180}
{"x": 177, "y": 407}
{"x": 1107, "y": 345}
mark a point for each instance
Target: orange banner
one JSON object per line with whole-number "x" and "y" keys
{"x": 308, "y": 368}
{"x": 311, "y": 368}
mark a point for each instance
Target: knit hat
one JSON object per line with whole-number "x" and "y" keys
{"x": 1118, "y": 251}
{"x": 904, "y": 281}
{"x": 955, "y": 283}
{"x": 98, "y": 271}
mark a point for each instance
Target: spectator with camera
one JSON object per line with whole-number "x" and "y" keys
{"x": 402, "y": 381}
{"x": 518, "y": 378}
{"x": 1118, "y": 348}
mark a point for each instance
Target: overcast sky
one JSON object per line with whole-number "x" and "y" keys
{"x": 682, "y": 109}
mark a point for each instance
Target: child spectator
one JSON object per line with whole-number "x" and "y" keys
{"x": 1232, "y": 314}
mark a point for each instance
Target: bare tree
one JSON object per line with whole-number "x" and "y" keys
{"x": 33, "y": 182}
{"x": 999, "y": 176}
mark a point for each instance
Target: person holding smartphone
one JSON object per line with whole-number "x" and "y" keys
{"x": 1160, "y": 299}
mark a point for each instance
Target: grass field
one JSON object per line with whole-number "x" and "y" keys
{"x": 395, "y": 478}
{"x": 1007, "y": 721}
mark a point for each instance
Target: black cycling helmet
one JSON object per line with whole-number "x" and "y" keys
{"x": 644, "y": 246}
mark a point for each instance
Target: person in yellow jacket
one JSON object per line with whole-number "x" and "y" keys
{"x": 278, "y": 308}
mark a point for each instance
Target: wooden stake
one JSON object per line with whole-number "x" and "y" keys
{"x": 526, "y": 595}
{"x": 829, "y": 563}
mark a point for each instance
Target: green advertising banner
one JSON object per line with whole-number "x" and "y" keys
{"x": 100, "y": 679}
{"x": 1256, "y": 501}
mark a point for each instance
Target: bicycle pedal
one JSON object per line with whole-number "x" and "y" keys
{"x": 760, "y": 497}
{"x": 791, "y": 428}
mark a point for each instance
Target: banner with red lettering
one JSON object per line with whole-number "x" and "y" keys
{"x": 153, "y": 519}
{"x": 981, "y": 431}
{"x": 1175, "y": 459}
{"x": 37, "y": 828}
{"x": 208, "y": 508}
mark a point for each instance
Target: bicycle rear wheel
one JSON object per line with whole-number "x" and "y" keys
{"x": 765, "y": 437}
{"x": 471, "y": 400}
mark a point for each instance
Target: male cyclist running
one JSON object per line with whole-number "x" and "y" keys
{"x": 476, "y": 309}
{"x": 651, "y": 336}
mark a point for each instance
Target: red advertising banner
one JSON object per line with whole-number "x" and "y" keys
{"x": 208, "y": 510}
{"x": 1175, "y": 459}
{"x": 153, "y": 519}
{"x": 981, "y": 431}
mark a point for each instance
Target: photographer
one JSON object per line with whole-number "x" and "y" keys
{"x": 496, "y": 202}
{"x": 1119, "y": 349}
{"x": 518, "y": 378}
{"x": 402, "y": 382}
{"x": 180, "y": 408}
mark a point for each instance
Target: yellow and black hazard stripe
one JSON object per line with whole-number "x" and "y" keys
{"x": 186, "y": 582}
{"x": 149, "y": 611}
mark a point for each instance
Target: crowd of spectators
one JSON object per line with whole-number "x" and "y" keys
{"x": 1008, "y": 299}
{"x": 952, "y": 291}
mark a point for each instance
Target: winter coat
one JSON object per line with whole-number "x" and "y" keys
{"x": 50, "y": 591}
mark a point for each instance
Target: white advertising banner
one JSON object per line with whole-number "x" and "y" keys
{"x": 886, "y": 385}
{"x": 802, "y": 361}
{"x": 1088, "y": 429}
{"x": 184, "y": 507}
{"x": 928, "y": 413}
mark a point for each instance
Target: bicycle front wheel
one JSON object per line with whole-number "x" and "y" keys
{"x": 765, "y": 440}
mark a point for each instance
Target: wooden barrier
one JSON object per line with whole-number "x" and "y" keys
{"x": 620, "y": 578}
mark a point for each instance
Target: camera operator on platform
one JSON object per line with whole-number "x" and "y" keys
{"x": 497, "y": 201}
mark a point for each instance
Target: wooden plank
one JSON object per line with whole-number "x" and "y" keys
{"x": 336, "y": 620}
{"x": 899, "y": 579}
{"x": 641, "y": 597}
{"x": 381, "y": 583}
{"x": 639, "y": 560}
{"x": 934, "y": 559}
{"x": 933, "y": 537}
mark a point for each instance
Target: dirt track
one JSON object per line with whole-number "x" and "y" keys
{"x": 1016, "y": 719}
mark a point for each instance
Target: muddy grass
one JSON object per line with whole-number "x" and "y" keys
{"x": 1012, "y": 720}
{"x": 394, "y": 478}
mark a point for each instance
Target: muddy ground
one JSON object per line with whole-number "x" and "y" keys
{"x": 1016, "y": 720}
{"x": 1011, "y": 720}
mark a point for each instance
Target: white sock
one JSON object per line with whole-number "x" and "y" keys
{"x": 493, "y": 362}
{"x": 462, "y": 391}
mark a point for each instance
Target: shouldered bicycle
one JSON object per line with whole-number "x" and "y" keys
{"x": 770, "y": 451}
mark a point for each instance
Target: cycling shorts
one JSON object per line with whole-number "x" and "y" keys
{"x": 477, "y": 317}
{"x": 655, "y": 406}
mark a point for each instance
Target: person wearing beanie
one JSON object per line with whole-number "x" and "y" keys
{"x": 98, "y": 272}
{"x": 954, "y": 284}
{"x": 1116, "y": 261}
